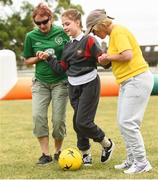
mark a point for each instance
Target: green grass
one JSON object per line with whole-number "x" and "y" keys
{"x": 19, "y": 150}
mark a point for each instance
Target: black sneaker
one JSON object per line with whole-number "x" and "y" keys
{"x": 44, "y": 160}
{"x": 87, "y": 160}
{"x": 107, "y": 152}
{"x": 56, "y": 156}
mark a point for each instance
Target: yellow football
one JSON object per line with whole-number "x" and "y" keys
{"x": 70, "y": 159}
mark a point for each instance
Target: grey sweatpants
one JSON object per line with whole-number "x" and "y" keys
{"x": 132, "y": 101}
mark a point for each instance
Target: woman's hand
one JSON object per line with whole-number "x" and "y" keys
{"x": 42, "y": 55}
{"x": 124, "y": 56}
{"x": 103, "y": 59}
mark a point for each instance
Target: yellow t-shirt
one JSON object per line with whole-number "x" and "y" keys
{"x": 121, "y": 39}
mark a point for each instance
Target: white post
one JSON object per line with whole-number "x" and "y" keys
{"x": 8, "y": 71}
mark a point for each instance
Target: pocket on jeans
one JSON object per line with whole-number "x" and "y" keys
{"x": 65, "y": 83}
{"x": 35, "y": 85}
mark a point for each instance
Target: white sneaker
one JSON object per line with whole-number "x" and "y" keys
{"x": 125, "y": 165}
{"x": 138, "y": 169}
{"x": 87, "y": 160}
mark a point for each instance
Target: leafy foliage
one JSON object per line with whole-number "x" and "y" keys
{"x": 66, "y": 4}
{"x": 4, "y": 2}
{"x": 14, "y": 28}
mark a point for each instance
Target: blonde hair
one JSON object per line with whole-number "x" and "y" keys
{"x": 73, "y": 15}
{"x": 105, "y": 23}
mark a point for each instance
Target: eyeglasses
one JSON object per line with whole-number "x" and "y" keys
{"x": 93, "y": 31}
{"x": 41, "y": 22}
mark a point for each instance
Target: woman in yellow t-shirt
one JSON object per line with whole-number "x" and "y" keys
{"x": 136, "y": 83}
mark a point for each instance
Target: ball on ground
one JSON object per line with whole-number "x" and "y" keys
{"x": 70, "y": 159}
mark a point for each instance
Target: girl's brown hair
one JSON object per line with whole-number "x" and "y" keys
{"x": 42, "y": 10}
{"x": 73, "y": 15}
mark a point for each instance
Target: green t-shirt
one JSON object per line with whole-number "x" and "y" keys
{"x": 39, "y": 41}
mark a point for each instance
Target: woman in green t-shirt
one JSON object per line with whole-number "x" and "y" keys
{"x": 47, "y": 86}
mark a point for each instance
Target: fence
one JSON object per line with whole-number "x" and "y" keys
{"x": 150, "y": 53}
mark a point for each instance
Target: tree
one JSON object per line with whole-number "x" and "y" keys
{"x": 62, "y": 5}
{"x": 66, "y": 4}
{"x": 15, "y": 26}
{"x": 5, "y": 2}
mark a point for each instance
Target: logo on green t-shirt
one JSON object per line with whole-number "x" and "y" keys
{"x": 59, "y": 40}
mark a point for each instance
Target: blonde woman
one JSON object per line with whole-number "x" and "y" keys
{"x": 136, "y": 83}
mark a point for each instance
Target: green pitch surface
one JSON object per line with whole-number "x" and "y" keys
{"x": 19, "y": 150}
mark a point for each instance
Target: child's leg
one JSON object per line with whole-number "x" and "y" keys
{"x": 87, "y": 106}
{"x": 74, "y": 95}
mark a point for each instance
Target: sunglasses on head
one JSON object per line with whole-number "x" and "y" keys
{"x": 41, "y": 22}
